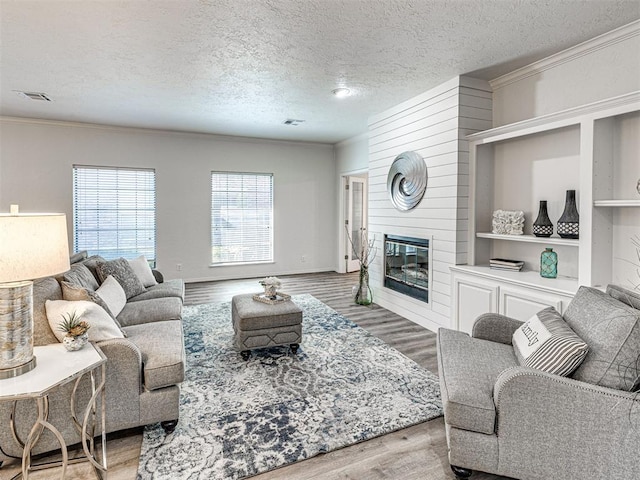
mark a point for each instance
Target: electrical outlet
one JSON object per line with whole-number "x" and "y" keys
{"x": 303, "y": 259}
{"x": 179, "y": 267}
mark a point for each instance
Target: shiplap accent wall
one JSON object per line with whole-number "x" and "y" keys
{"x": 435, "y": 125}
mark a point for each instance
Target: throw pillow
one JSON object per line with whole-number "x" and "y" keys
{"x": 112, "y": 293}
{"x": 74, "y": 293}
{"x": 547, "y": 343}
{"x": 141, "y": 268}
{"x": 102, "y": 325}
{"x": 612, "y": 330}
{"x": 123, "y": 273}
{"x": 80, "y": 275}
{"x": 92, "y": 264}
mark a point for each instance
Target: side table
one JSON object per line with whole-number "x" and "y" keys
{"x": 56, "y": 367}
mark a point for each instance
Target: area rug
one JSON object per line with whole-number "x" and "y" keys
{"x": 238, "y": 418}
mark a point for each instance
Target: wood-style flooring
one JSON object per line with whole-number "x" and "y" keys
{"x": 418, "y": 452}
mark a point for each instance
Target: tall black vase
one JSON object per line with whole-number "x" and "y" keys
{"x": 569, "y": 222}
{"x": 543, "y": 227}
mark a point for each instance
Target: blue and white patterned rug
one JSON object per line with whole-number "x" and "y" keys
{"x": 238, "y": 419}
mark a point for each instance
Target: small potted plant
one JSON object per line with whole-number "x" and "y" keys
{"x": 76, "y": 331}
{"x": 271, "y": 286}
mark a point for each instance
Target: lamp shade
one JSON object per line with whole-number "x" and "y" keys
{"x": 32, "y": 246}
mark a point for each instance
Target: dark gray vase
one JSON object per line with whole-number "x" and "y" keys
{"x": 543, "y": 227}
{"x": 569, "y": 222}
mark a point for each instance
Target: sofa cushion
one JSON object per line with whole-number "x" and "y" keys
{"x": 112, "y": 294}
{"x": 102, "y": 325}
{"x": 80, "y": 275}
{"x": 92, "y": 264}
{"x": 169, "y": 288}
{"x": 612, "y": 331}
{"x": 141, "y": 268}
{"x": 78, "y": 257}
{"x": 547, "y": 343}
{"x": 74, "y": 293}
{"x": 44, "y": 289}
{"x": 123, "y": 273}
{"x": 469, "y": 368}
{"x": 152, "y": 310}
{"x": 163, "y": 354}
{"x": 629, "y": 297}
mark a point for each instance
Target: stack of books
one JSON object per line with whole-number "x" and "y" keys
{"x": 506, "y": 264}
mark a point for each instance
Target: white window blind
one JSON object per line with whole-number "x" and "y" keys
{"x": 114, "y": 212}
{"x": 241, "y": 217}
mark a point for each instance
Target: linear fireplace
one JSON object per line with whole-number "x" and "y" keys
{"x": 406, "y": 262}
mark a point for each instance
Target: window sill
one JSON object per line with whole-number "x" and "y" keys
{"x": 237, "y": 264}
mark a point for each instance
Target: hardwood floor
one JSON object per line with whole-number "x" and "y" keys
{"x": 418, "y": 452}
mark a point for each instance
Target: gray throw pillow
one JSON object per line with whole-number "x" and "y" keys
{"x": 612, "y": 331}
{"x": 92, "y": 264}
{"x": 75, "y": 293}
{"x": 124, "y": 274}
{"x": 81, "y": 276}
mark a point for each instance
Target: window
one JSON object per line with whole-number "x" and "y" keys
{"x": 114, "y": 212}
{"x": 241, "y": 217}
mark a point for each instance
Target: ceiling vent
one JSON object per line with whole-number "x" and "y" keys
{"x": 293, "y": 121}
{"x": 34, "y": 95}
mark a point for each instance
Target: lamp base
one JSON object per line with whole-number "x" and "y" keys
{"x": 19, "y": 370}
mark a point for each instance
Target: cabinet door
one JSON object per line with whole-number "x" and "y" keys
{"x": 471, "y": 299}
{"x": 522, "y": 304}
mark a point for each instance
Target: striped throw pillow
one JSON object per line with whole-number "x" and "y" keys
{"x": 547, "y": 343}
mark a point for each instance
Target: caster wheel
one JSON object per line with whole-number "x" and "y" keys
{"x": 245, "y": 354}
{"x": 294, "y": 348}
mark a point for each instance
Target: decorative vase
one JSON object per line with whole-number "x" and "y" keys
{"x": 569, "y": 222}
{"x": 72, "y": 343}
{"x": 271, "y": 291}
{"x": 363, "y": 293}
{"x": 549, "y": 263}
{"x": 543, "y": 227}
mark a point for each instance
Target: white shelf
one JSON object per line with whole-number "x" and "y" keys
{"x": 531, "y": 239}
{"x": 616, "y": 203}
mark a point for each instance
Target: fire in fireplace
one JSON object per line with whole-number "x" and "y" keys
{"x": 407, "y": 266}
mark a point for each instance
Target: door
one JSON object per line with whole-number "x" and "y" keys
{"x": 356, "y": 219}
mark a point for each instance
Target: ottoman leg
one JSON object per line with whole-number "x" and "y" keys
{"x": 294, "y": 348}
{"x": 245, "y": 354}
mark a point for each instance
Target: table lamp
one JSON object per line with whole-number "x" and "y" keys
{"x": 32, "y": 245}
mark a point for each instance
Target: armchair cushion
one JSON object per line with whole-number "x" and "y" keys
{"x": 612, "y": 331}
{"x": 547, "y": 343}
{"x": 469, "y": 368}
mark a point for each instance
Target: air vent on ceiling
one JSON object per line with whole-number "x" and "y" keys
{"x": 293, "y": 121}
{"x": 34, "y": 95}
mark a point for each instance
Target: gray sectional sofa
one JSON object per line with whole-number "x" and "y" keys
{"x": 144, "y": 369}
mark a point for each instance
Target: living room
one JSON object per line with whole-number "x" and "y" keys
{"x": 547, "y": 91}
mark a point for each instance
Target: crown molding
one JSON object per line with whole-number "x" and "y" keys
{"x": 350, "y": 140}
{"x": 585, "y": 48}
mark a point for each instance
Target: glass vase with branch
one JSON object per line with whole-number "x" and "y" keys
{"x": 364, "y": 250}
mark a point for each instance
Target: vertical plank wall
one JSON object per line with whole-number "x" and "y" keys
{"x": 433, "y": 124}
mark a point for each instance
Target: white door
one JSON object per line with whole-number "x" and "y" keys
{"x": 356, "y": 219}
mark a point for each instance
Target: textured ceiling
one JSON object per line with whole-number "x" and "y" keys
{"x": 241, "y": 67}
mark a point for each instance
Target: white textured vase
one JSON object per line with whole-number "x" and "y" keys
{"x": 72, "y": 343}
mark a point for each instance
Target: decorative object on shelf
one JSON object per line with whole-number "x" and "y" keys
{"x": 362, "y": 293}
{"x": 569, "y": 222}
{"x": 506, "y": 264}
{"x": 271, "y": 286}
{"x": 76, "y": 331}
{"x": 407, "y": 180}
{"x": 38, "y": 246}
{"x": 508, "y": 222}
{"x": 549, "y": 263}
{"x": 543, "y": 227}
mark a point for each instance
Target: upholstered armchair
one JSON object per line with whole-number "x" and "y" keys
{"x": 508, "y": 419}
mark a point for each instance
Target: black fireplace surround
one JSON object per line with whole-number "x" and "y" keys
{"x": 406, "y": 268}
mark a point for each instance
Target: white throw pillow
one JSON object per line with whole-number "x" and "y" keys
{"x": 112, "y": 293}
{"x": 547, "y": 343}
{"x": 141, "y": 268}
{"x": 103, "y": 327}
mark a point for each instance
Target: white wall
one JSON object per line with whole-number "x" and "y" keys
{"x": 601, "y": 68}
{"x": 37, "y": 159}
{"x": 435, "y": 125}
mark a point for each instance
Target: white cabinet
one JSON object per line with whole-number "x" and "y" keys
{"x": 478, "y": 290}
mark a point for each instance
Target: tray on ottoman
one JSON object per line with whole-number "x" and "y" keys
{"x": 260, "y": 325}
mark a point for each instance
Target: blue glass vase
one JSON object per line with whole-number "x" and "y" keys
{"x": 549, "y": 263}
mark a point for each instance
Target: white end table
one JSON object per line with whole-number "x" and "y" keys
{"x": 56, "y": 367}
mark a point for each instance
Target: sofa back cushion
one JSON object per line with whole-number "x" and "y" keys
{"x": 629, "y": 297}
{"x": 612, "y": 331}
{"x": 44, "y": 289}
{"x": 81, "y": 276}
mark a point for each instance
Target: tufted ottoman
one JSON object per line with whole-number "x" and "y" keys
{"x": 259, "y": 325}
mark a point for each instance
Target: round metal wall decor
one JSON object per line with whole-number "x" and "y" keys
{"x": 407, "y": 180}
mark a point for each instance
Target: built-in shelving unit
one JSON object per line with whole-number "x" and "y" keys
{"x": 530, "y": 239}
{"x": 616, "y": 203}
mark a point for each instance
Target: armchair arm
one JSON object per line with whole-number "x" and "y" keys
{"x": 558, "y": 427}
{"x": 495, "y": 327}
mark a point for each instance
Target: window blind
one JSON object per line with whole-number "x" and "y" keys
{"x": 241, "y": 217}
{"x": 114, "y": 212}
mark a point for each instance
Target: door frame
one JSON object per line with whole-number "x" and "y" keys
{"x": 342, "y": 213}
